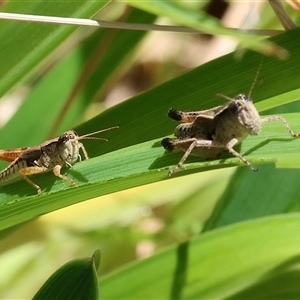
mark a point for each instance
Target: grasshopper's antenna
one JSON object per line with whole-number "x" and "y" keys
{"x": 225, "y": 97}
{"x": 256, "y": 77}
{"x": 252, "y": 86}
{"x": 88, "y": 135}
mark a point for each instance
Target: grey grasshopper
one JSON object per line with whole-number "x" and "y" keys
{"x": 51, "y": 155}
{"x": 206, "y": 133}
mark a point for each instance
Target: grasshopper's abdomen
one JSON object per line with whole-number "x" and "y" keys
{"x": 185, "y": 130}
{"x": 190, "y": 130}
{"x": 12, "y": 171}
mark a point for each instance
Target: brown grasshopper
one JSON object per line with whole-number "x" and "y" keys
{"x": 51, "y": 155}
{"x": 206, "y": 133}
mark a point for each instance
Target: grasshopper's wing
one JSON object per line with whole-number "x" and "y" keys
{"x": 31, "y": 154}
{"x": 26, "y": 153}
{"x": 11, "y": 154}
{"x": 205, "y": 123}
{"x": 211, "y": 113}
{"x": 205, "y": 120}
{"x": 191, "y": 116}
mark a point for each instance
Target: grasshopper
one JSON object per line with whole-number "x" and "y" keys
{"x": 51, "y": 155}
{"x": 206, "y": 133}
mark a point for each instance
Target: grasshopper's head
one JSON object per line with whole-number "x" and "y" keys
{"x": 68, "y": 146}
{"x": 68, "y": 138}
{"x": 243, "y": 113}
{"x": 246, "y": 113}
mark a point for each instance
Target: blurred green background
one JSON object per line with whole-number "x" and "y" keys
{"x": 57, "y": 77}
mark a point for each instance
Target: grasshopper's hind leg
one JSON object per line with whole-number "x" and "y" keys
{"x": 192, "y": 143}
{"x": 171, "y": 145}
{"x": 183, "y": 117}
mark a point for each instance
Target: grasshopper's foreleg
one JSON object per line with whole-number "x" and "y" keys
{"x": 86, "y": 156}
{"x": 283, "y": 120}
{"x": 230, "y": 146}
{"x": 56, "y": 171}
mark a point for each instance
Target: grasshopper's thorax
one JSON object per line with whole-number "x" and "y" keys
{"x": 68, "y": 147}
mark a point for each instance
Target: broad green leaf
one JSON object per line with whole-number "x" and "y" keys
{"x": 76, "y": 279}
{"x": 247, "y": 196}
{"x": 252, "y": 255}
{"x": 135, "y": 166}
{"x": 36, "y": 40}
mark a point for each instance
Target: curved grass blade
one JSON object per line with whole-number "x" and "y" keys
{"x": 221, "y": 264}
{"x": 134, "y": 166}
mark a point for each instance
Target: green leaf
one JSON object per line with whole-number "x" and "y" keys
{"x": 248, "y": 196}
{"x": 36, "y": 40}
{"x": 76, "y": 279}
{"x": 137, "y": 165}
{"x": 219, "y": 264}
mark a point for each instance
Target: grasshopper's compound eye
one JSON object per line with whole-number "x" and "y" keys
{"x": 240, "y": 102}
{"x": 243, "y": 98}
{"x": 67, "y": 137}
{"x": 236, "y": 106}
{"x": 64, "y": 138}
